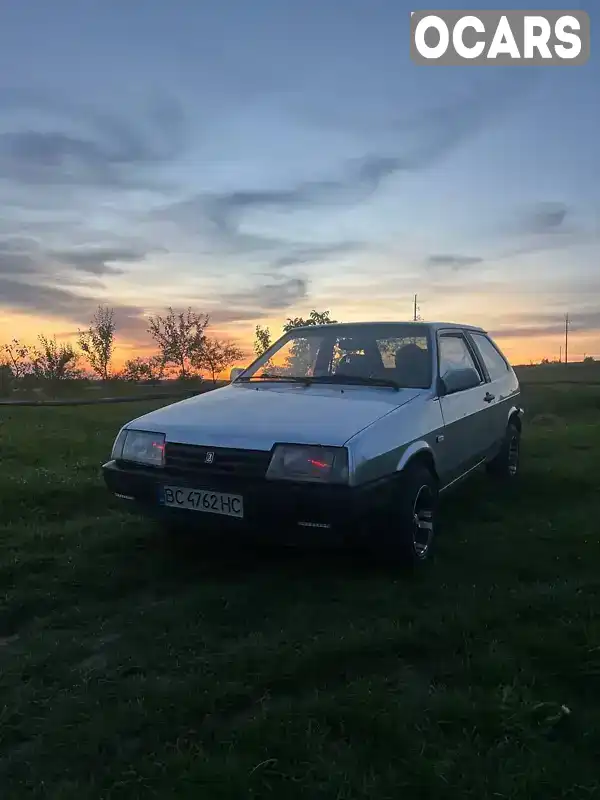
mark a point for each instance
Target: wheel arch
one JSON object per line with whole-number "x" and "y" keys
{"x": 514, "y": 417}
{"x": 419, "y": 452}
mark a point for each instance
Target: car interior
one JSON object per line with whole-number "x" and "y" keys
{"x": 410, "y": 364}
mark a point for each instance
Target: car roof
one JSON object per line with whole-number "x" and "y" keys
{"x": 432, "y": 326}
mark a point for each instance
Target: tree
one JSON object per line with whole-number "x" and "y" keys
{"x": 589, "y": 360}
{"x": 216, "y": 356}
{"x": 98, "y": 342}
{"x": 314, "y": 318}
{"x": 6, "y": 380}
{"x": 262, "y": 340}
{"x": 149, "y": 369}
{"x": 179, "y": 337}
{"x": 54, "y": 362}
{"x": 299, "y": 358}
{"x": 16, "y": 355}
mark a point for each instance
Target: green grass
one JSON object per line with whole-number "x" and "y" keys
{"x": 134, "y": 668}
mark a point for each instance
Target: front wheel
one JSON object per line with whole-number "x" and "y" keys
{"x": 410, "y": 524}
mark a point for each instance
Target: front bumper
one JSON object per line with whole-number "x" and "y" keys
{"x": 336, "y": 513}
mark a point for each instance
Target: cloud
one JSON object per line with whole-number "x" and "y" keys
{"x": 282, "y": 294}
{"x": 418, "y": 143}
{"x": 84, "y": 147}
{"x": 547, "y": 324}
{"x": 454, "y": 262}
{"x": 358, "y": 179}
{"x": 131, "y": 321}
{"x": 546, "y": 228}
{"x": 23, "y": 255}
{"x": 197, "y": 215}
{"x": 36, "y": 281}
{"x": 71, "y": 152}
{"x": 315, "y": 253}
{"x": 266, "y": 297}
{"x": 16, "y": 256}
{"x": 64, "y": 303}
{"x": 421, "y": 142}
{"x": 224, "y": 236}
{"x": 16, "y": 263}
{"x": 253, "y": 303}
{"x": 97, "y": 261}
{"x": 544, "y": 218}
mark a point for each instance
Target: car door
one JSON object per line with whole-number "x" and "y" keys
{"x": 501, "y": 385}
{"x": 464, "y": 439}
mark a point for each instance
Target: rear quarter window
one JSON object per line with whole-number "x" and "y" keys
{"x": 496, "y": 365}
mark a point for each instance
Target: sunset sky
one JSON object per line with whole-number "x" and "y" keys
{"x": 256, "y": 159}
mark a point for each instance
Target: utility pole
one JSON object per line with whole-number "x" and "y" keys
{"x": 560, "y": 354}
{"x": 566, "y": 338}
{"x": 416, "y": 311}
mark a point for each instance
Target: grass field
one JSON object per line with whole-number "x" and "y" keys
{"x": 576, "y": 372}
{"x": 91, "y": 392}
{"x": 131, "y": 667}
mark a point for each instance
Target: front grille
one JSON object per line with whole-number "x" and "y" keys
{"x": 189, "y": 459}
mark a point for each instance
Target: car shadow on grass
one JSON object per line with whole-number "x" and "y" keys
{"x": 231, "y": 557}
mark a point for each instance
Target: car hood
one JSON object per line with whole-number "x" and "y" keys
{"x": 257, "y": 417}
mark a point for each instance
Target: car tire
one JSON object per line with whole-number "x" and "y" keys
{"x": 505, "y": 466}
{"x": 409, "y": 527}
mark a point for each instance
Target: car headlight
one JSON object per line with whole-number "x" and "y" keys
{"x": 142, "y": 447}
{"x": 292, "y": 462}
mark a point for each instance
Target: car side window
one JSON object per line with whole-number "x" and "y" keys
{"x": 454, "y": 354}
{"x": 493, "y": 360}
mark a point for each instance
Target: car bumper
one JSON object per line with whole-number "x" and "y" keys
{"x": 302, "y": 511}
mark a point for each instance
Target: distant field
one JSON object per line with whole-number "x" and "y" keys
{"x": 79, "y": 390}
{"x": 135, "y": 667}
{"x": 91, "y": 392}
{"x": 560, "y": 373}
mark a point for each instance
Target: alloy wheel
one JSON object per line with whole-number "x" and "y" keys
{"x": 423, "y": 521}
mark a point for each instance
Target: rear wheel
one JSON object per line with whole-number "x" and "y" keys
{"x": 410, "y": 524}
{"x": 505, "y": 465}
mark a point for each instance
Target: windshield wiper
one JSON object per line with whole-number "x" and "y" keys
{"x": 288, "y": 378}
{"x": 359, "y": 380}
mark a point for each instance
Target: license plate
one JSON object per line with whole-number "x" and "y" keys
{"x": 228, "y": 505}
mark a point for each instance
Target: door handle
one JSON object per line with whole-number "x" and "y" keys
{"x": 489, "y": 397}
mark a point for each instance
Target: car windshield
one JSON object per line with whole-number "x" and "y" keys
{"x": 395, "y": 355}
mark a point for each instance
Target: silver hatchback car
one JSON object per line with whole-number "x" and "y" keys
{"x": 342, "y": 432}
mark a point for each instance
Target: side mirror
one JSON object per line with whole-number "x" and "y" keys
{"x": 235, "y": 372}
{"x": 459, "y": 380}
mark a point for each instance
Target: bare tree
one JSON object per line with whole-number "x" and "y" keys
{"x": 16, "y": 355}
{"x": 98, "y": 342}
{"x": 54, "y": 362}
{"x": 149, "y": 369}
{"x": 179, "y": 337}
{"x": 215, "y": 356}
{"x": 262, "y": 340}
